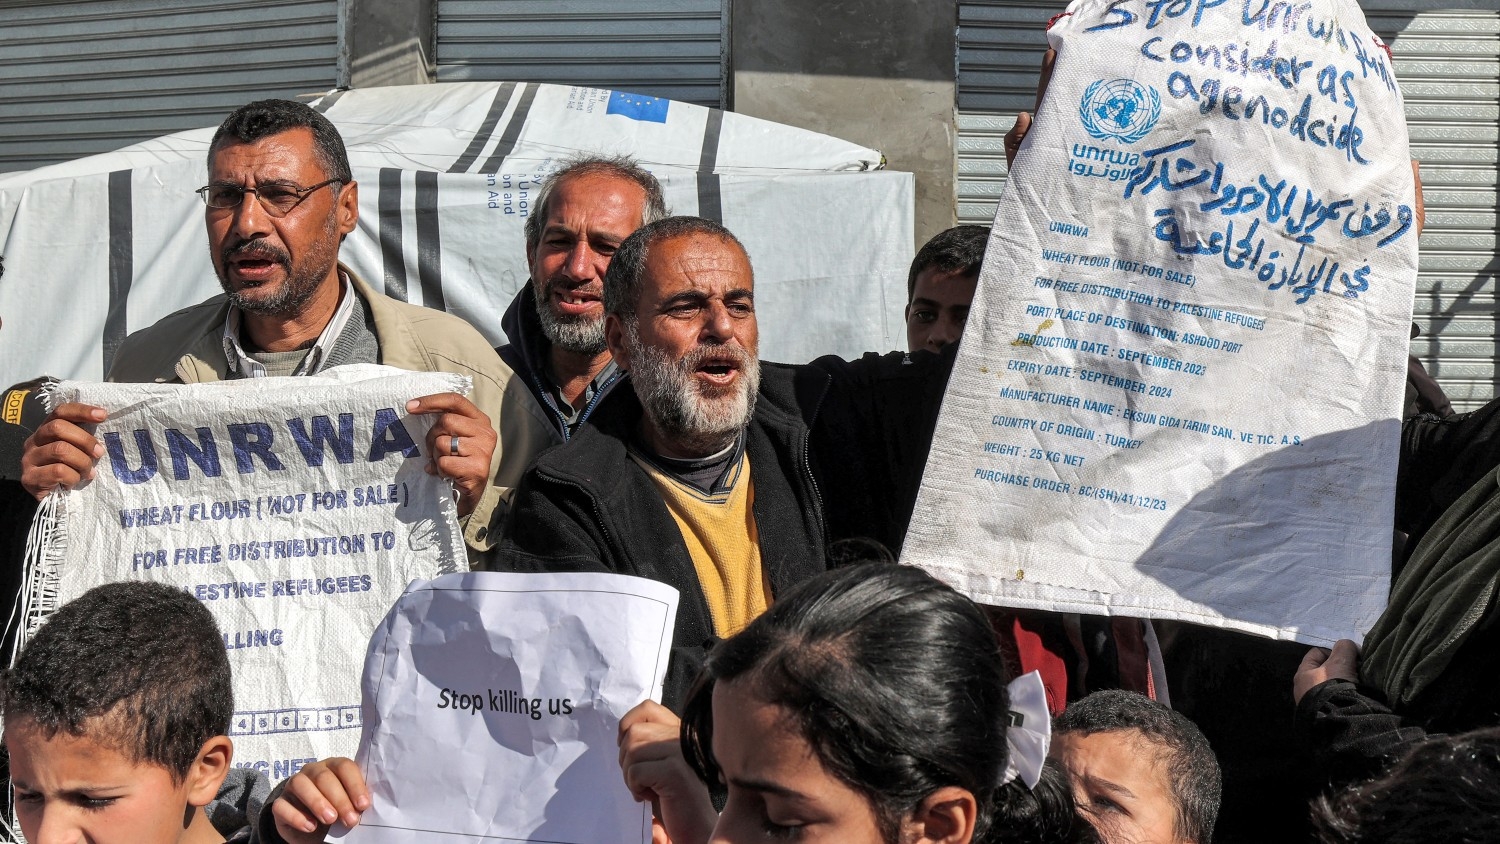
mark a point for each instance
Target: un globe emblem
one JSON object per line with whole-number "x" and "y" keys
{"x": 1122, "y": 109}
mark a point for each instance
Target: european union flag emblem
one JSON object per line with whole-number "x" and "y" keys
{"x": 638, "y": 106}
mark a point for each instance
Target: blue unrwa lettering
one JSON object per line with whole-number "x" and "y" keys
{"x": 122, "y": 470}
{"x": 251, "y": 440}
{"x": 390, "y": 436}
{"x": 181, "y": 450}
{"x": 323, "y": 436}
{"x": 284, "y": 768}
{"x": 255, "y": 446}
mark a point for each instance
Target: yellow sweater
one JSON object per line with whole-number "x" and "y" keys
{"x": 721, "y": 537}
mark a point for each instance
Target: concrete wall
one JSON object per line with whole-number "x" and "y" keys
{"x": 876, "y": 72}
{"x": 387, "y": 42}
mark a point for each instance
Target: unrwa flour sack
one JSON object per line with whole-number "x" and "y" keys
{"x": 1179, "y": 390}
{"x": 296, "y": 509}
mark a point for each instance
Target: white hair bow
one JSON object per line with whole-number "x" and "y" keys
{"x": 1029, "y": 734}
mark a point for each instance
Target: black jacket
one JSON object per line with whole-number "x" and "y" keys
{"x": 1350, "y": 734}
{"x": 834, "y": 446}
{"x": 1446, "y": 497}
{"x": 526, "y": 354}
{"x": 1441, "y": 459}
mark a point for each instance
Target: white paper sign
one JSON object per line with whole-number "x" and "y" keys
{"x": 295, "y": 509}
{"x": 492, "y": 706}
{"x": 1179, "y": 389}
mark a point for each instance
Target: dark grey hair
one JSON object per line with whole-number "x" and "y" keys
{"x": 264, "y": 118}
{"x": 622, "y": 284}
{"x": 618, "y": 166}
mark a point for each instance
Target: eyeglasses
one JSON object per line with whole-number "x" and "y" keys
{"x": 278, "y": 200}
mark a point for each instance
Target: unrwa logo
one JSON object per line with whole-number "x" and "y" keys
{"x": 1121, "y": 109}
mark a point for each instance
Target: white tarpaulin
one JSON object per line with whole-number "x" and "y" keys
{"x": 297, "y": 513}
{"x": 99, "y": 247}
{"x": 492, "y": 708}
{"x": 1179, "y": 390}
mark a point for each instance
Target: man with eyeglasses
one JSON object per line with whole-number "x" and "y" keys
{"x": 279, "y": 202}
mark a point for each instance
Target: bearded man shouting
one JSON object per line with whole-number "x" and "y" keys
{"x": 716, "y": 473}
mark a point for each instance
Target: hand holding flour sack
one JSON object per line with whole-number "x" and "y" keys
{"x": 1180, "y": 396}
{"x": 297, "y": 512}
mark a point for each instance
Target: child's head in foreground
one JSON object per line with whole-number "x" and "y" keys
{"x": 1141, "y": 772}
{"x": 867, "y": 706}
{"x": 1443, "y": 788}
{"x": 115, "y": 719}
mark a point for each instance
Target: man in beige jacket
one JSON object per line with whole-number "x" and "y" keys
{"x": 279, "y": 201}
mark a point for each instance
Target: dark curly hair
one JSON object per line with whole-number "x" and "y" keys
{"x": 264, "y": 118}
{"x": 1191, "y": 767}
{"x": 1446, "y": 788}
{"x": 960, "y": 248}
{"x": 137, "y": 666}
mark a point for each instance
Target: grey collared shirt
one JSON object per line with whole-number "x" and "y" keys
{"x": 243, "y": 365}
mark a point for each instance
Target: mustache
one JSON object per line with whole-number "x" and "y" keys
{"x": 257, "y": 249}
{"x": 706, "y": 353}
{"x": 553, "y": 285}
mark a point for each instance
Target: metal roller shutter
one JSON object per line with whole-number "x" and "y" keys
{"x": 1448, "y": 64}
{"x": 1000, "y": 46}
{"x": 665, "y": 48}
{"x": 78, "y": 78}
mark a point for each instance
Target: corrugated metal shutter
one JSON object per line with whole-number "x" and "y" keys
{"x": 1000, "y": 46}
{"x": 1448, "y": 63}
{"x": 665, "y": 48}
{"x": 78, "y": 78}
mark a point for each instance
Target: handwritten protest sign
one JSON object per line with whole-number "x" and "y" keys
{"x": 296, "y": 509}
{"x": 493, "y": 702}
{"x": 1179, "y": 389}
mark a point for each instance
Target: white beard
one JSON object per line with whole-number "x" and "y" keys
{"x": 675, "y": 400}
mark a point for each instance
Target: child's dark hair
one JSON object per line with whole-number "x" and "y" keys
{"x": 960, "y": 248}
{"x": 137, "y": 666}
{"x": 896, "y": 682}
{"x": 1445, "y": 788}
{"x": 1191, "y": 767}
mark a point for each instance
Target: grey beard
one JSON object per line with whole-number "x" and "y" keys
{"x": 582, "y": 336}
{"x": 288, "y": 301}
{"x": 698, "y": 424}
{"x": 299, "y": 286}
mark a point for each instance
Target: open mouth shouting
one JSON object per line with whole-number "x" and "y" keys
{"x": 716, "y": 368}
{"x": 253, "y": 262}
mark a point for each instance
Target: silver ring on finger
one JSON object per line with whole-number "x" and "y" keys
{"x": 453, "y": 446}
